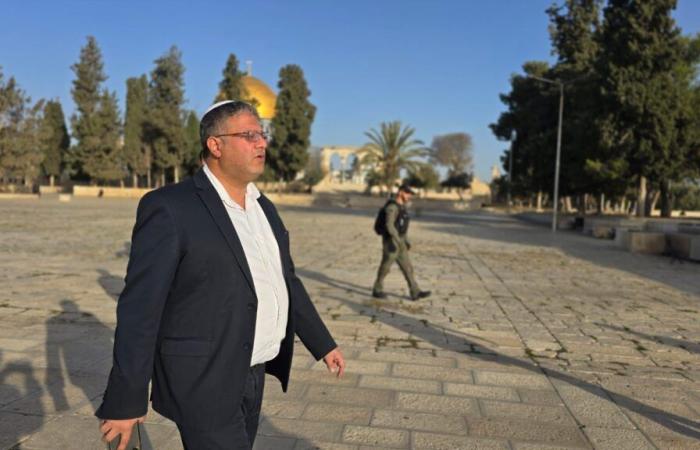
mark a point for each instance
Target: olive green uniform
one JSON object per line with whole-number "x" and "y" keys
{"x": 395, "y": 247}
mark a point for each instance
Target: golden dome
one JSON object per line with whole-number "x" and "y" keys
{"x": 262, "y": 93}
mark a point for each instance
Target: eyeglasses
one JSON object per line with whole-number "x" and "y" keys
{"x": 250, "y": 136}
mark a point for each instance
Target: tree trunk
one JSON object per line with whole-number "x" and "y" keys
{"x": 51, "y": 180}
{"x": 539, "y": 201}
{"x": 121, "y": 183}
{"x": 666, "y": 203}
{"x": 652, "y": 199}
{"x": 134, "y": 180}
{"x": 176, "y": 174}
{"x": 584, "y": 209}
{"x": 567, "y": 204}
{"x": 148, "y": 179}
{"x": 162, "y": 178}
{"x": 601, "y": 204}
{"x": 641, "y": 196}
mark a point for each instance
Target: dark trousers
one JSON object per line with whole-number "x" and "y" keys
{"x": 240, "y": 434}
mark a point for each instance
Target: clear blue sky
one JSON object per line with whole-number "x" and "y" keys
{"x": 438, "y": 66}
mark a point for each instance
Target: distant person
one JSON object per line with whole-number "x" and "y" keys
{"x": 211, "y": 301}
{"x": 392, "y": 224}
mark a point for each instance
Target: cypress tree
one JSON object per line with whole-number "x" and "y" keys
{"x": 136, "y": 155}
{"x": 231, "y": 86}
{"x": 55, "y": 139}
{"x": 165, "y": 132}
{"x": 291, "y": 126}
{"x": 640, "y": 97}
{"x": 193, "y": 148}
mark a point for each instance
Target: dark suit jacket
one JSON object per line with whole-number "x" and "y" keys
{"x": 186, "y": 317}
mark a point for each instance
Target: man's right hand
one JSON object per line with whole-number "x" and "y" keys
{"x": 111, "y": 428}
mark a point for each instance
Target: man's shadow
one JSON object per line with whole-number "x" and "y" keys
{"x": 78, "y": 351}
{"x": 429, "y": 332}
{"x": 30, "y": 388}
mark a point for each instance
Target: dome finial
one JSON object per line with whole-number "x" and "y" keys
{"x": 249, "y": 67}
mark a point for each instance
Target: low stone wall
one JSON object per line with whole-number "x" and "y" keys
{"x": 50, "y": 190}
{"x": 9, "y": 195}
{"x": 114, "y": 192}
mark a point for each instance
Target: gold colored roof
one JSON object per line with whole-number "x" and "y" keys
{"x": 262, "y": 93}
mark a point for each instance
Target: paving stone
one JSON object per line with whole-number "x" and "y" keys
{"x": 525, "y": 430}
{"x": 327, "y": 412}
{"x": 432, "y": 373}
{"x": 534, "y": 381}
{"x": 350, "y": 396}
{"x": 619, "y": 439}
{"x": 433, "y": 441}
{"x": 400, "y": 384}
{"x": 301, "y": 429}
{"x": 355, "y": 434}
{"x": 537, "y": 413}
{"x": 477, "y": 391}
{"x": 419, "y": 421}
{"x": 592, "y": 407}
{"x": 287, "y": 409}
{"x": 437, "y": 403}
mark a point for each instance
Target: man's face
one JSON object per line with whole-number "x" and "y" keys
{"x": 405, "y": 197}
{"x": 241, "y": 157}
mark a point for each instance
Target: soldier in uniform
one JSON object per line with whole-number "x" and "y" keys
{"x": 393, "y": 226}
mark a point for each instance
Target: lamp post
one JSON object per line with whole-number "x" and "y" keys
{"x": 555, "y": 206}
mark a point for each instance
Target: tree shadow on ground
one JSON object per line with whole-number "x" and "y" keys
{"x": 428, "y": 332}
{"x": 484, "y": 225}
{"x": 693, "y": 347}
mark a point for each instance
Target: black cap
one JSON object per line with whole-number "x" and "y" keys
{"x": 405, "y": 187}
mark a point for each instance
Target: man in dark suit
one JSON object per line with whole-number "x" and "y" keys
{"x": 211, "y": 300}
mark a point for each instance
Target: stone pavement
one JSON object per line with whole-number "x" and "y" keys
{"x": 530, "y": 341}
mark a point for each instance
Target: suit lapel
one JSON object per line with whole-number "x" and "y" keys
{"x": 216, "y": 208}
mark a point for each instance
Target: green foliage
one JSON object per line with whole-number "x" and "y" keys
{"x": 55, "y": 139}
{"x": 20, "y": 133}
{"x": 165, "y": 131}
{"x": 423, "y": 176}
{"x": 391, "y": 149}
{"x": 231, "y": 86}
{"x": 193, "y": 147}
{"x": 640, "y": 95}
{"x": 96, "y": 123}
{"x": 136, "y": 152}
{"x": 312, "y": 177}
{"x": 453, "y": 151}
{"x": 291, "y": 126}
{"x": 458, "y": 180}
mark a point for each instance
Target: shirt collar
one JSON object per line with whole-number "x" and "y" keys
{"x": 252, "y": 193}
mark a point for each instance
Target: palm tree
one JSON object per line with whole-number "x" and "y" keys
{"x": 391, "y": 149}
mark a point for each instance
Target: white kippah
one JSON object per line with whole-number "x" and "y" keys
{"x": 216, "y": 105}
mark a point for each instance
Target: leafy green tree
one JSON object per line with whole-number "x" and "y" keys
{"x": 312, "y": 177}
{"x": 193, "y": 147}
{"x": 106, "y": 163}
{"x": 56, "y": 140}
{"x": 391, "y": 149}
{"x": 530, "y": 121}
{"x": 165, "y": 131}
{"x": 231, "y": 87}
{"x": 453, "y": 151}
{"x": 20, "y": 134}
{"x": 291, "y": 126}
{"x": 640, "y": 95}
{"x": 136, "y": 152}
{"x": 92, "y": 104}
{"x": 460, "y": 181}
{"x": 424, "y": 176}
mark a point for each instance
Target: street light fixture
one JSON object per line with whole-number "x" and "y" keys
{"x": 555, "y": 206}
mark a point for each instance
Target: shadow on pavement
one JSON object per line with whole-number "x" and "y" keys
{"x": 426, "y": 331}
{"x": 689, "y": 346}
{"x": 15, "y": 426}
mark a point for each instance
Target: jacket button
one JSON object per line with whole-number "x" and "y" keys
{"x": 246, "y": 347}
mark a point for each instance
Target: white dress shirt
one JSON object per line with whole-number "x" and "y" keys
{"x": 263, "y": 256}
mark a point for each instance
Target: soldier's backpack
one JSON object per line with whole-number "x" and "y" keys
{"x": 380, "y": 221}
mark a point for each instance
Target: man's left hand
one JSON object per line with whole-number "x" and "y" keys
{"x": 335, "y": 362}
